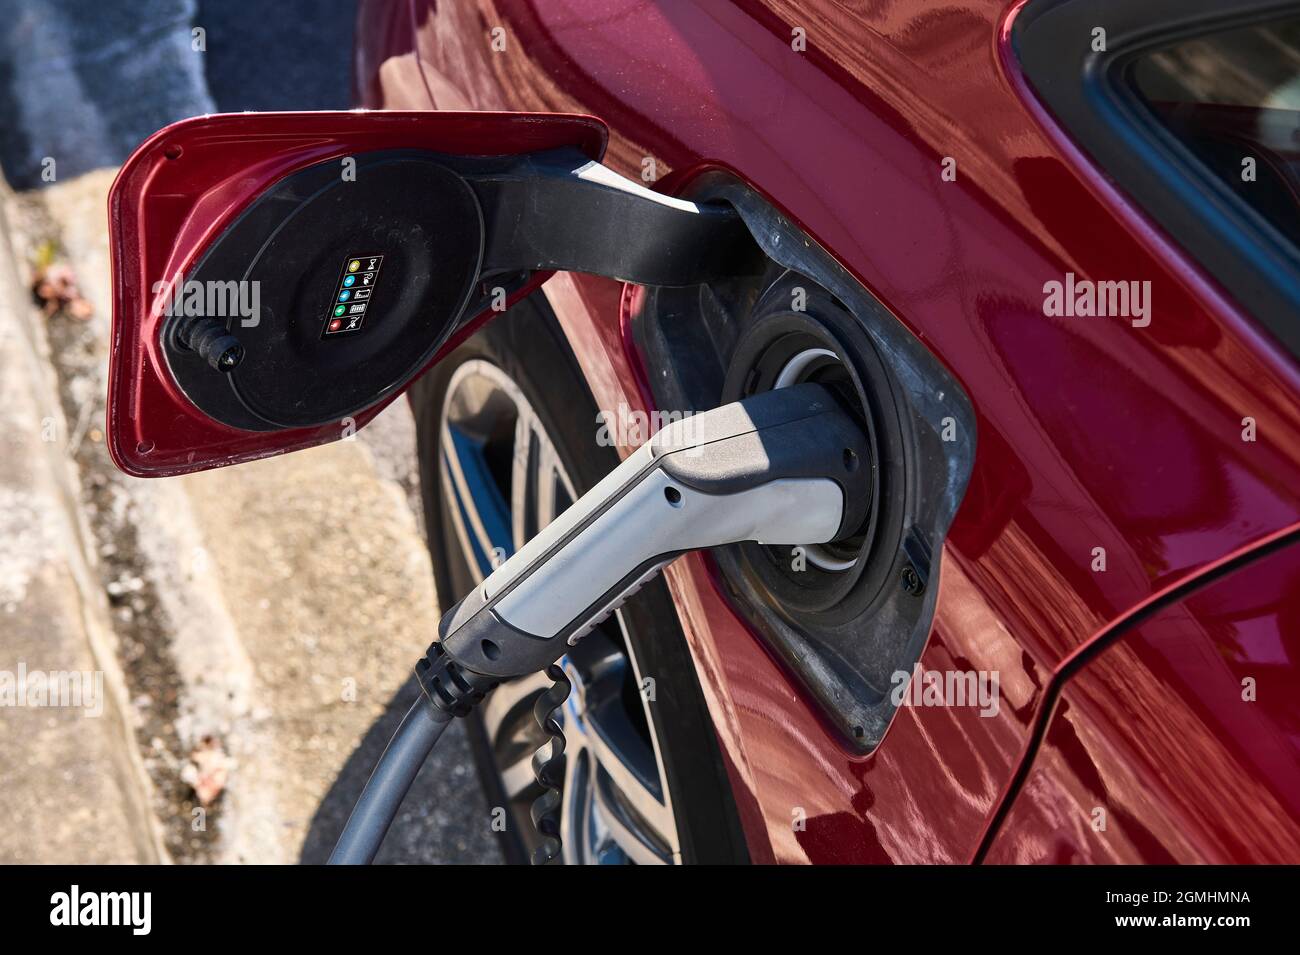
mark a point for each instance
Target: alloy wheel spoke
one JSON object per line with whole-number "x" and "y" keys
{"x": 503, "y": 704}
{"x": 633, "y": 790}
{"x": 625, "y": 835}
{"x": 518, "y": 778}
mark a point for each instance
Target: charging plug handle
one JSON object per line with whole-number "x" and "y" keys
{"x": 785, "y": 467}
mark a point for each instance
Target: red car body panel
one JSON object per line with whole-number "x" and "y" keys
{"x": 1160, "y": 729}
{"x": 1092, "y": 433}
{"x": 182, "y": 188}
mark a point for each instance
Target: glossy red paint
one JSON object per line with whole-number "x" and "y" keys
{"x": 1183, "y": 737}
{"x": 1093, "y": 433}
{"x": 183, "y": 187}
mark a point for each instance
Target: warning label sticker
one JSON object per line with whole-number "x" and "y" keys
{"x": 347, "y": 311}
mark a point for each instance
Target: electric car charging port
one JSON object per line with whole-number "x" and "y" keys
{"x": 845, "y": 617}
{"x": 779, "y": 347}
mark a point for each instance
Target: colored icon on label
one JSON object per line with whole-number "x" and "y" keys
{"x": 351, "y": 296}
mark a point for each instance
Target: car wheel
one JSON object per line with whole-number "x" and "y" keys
{"x": 507, "y": 439}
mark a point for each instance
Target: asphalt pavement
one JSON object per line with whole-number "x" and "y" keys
{"x": 83, "y": 83}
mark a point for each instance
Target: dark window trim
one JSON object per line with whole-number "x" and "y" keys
{"x": 1088, "y": 95}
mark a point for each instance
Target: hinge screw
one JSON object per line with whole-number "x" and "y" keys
{"x": 912, "y": 582}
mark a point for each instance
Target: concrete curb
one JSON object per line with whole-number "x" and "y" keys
{"x": 155, "y": 541}
{"x": 85, "y": 775}
{"x": 256, "y": 613}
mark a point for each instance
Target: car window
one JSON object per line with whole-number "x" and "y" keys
{"x": 1233, "y": 99}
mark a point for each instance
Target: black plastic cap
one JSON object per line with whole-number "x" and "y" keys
{"x": 214, "y": 344}
{"x": 450, "y": 689}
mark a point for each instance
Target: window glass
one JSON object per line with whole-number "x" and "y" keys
{"x": 1233, "y": 98}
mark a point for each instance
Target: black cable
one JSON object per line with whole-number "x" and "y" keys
{"x": 388, "y": 784}
{"x": 548, "y": 764}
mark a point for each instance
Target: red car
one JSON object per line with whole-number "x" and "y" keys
{"x": 1050, "y": 254}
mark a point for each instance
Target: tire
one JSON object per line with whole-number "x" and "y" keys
{"x": 526, "y": 347}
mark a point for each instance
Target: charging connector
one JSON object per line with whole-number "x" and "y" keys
{"x": 787, "y": 467}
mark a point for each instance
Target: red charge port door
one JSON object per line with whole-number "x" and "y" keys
{"x": 280, "y": 277}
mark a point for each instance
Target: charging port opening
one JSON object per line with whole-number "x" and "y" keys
{"x": 845, "y": 617}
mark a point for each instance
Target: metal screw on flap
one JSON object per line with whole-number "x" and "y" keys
{"x": 912, "y": 582}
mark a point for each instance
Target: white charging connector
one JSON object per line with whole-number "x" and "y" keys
{"x": 785, "y": 467}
